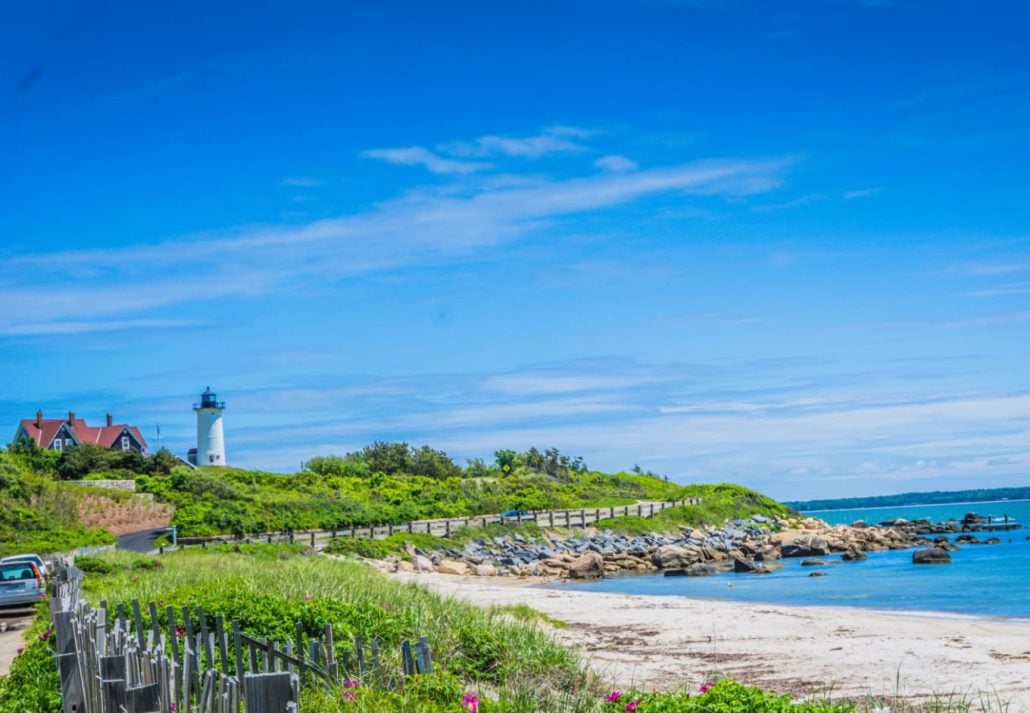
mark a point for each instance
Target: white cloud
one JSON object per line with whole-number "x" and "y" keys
{"x": 616, "y": 163}
{"x": 86, "y": 326}
{"x": 426, "y": 225}
{"x": 860, "y": 193}
{"x": 557, "y": 139}
{"x": 419, "y": 156}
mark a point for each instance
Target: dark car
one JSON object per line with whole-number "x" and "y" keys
{"x": 514, "y": 515}
{"x": 21, "y": 583}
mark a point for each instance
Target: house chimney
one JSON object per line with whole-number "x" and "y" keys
{"x": 39, "y": 418}
{"x": 109, "y": 419}
{"x": 71, "y": 417}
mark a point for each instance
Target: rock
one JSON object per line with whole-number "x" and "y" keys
{"x": 422, "y": 563}
{"x": 817, "y": 574}
{"x": 675, "y": 557}
{"x": 968, "y": 539}
{"x": 486, "y": 570}
{"x": 818, "y": 563}
{"x": 931, "y": 555}
{"x": 795, "y": 543}
{"x": 405, "y": 566}
{"x": 992, "y": 541}
{"x": 854, "y": 555}
{"x": 588, "y": 565}
{"x": 858, "y": 524}
{"x": 704, "y": 570}
{"x": 452, "y": 567}
{"x": 745, "y": 566}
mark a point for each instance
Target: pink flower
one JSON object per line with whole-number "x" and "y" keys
{"x": 350, "y": 683}
{"x": 613, "y": 696}
{"x": 20, "y": 650}
{"x": 470, "y": 703}
{"x": 174, "y": 706}
{"x": 348, "y": 696}
{"x": 180, "y": 632}
{"x": 706, "y": 686}
{"x": 632, "y": 705}
{"x": 387, "y": 606}
{"x": 307, "y": 597}
{"x": 45, "y": 635}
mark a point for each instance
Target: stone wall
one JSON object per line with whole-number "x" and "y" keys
{"x": 129, "y": 485}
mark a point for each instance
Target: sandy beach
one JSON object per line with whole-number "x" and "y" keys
{"x": 669, "y": 643}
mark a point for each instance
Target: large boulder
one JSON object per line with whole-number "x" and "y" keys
{"x": 452, "y": 567}
{"x": 486, "y": 570}
{"x": 675, "y": 557}
{"x": 742, "y": 566}
{"x": 931, "y": 555}
{"x": 794, "y": 543}
{"x": 854, "y": 555}
{"x": 588, "y": 565}
{"x": 422, "y": 563}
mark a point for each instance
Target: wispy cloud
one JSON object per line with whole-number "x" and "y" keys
{"x": 1012, "y": 288}
{"x": 426, "y": 225}
{"x": 616, "y": 163}
{"x": 860, "y": 193}
{"x": 69, "y": 327}
{"x": 420, "y": 156}
{"x": 300, "y": 182}
{"x": 557, "y": 139}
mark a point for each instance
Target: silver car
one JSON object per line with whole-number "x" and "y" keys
{"x": 35, "y": 559}
{"x": 21, "y": 583}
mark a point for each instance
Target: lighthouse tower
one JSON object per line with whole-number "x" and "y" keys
{"x": 210, "y": 437}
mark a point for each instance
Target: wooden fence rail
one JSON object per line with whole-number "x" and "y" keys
{"x": 445, "y": 526}
{"x": 127, "y": 660}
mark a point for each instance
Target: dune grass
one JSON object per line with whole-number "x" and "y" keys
{"x": 270, "y": 587}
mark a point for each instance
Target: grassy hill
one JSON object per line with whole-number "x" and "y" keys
{"x": 384, "y": 483}
{"x": 38, "y": 513}
{"x": 225, "y": 500}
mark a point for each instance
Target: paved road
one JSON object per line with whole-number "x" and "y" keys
{"x": 140, "y": 541}
{"x": 12, "y": 623}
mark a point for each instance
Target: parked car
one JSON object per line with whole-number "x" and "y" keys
{"x": 513, "y": 515}
{"x": 21, "y": 583}
{"x": 35, "y": 559}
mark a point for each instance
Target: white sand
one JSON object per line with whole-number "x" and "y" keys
{"x": 671, "y": 643}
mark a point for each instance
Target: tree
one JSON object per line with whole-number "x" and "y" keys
{"x": 433, "y": 463}
{"x": 506, "y": 460}
{"x": 387, "y": 458}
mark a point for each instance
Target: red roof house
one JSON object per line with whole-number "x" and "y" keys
{"x": 59, "y": 433}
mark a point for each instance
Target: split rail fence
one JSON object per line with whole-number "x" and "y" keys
{"x": 115, "y": 661}
{"x": 445, "y": 526}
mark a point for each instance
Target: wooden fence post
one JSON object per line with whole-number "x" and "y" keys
{"x": 269, "y": 692}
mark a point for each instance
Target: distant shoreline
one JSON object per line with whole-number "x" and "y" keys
{"x": 915, "y": 505}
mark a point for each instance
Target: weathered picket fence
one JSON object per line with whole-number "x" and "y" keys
{"x": 112, "y": 661}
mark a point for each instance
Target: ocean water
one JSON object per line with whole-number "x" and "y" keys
{"x": 985, "y": 580}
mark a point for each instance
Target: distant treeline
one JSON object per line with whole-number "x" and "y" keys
{"x": 937, "y": 497}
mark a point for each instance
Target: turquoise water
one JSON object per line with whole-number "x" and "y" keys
{"x": 992, "y": 580}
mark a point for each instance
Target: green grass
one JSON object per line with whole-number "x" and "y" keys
{"x": 273, "y": 586}
{"x": 395, "y": 544}
{"x": 213, "y": 501}
{"x": 524, "y": 612}
{"x": 39, "y": 514}
{"x": 719, "y": 503}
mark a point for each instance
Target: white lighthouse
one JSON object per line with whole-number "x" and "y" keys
{"x": 210, "y": 437}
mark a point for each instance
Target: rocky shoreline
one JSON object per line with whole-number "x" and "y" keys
{"x": 753, "y": 546}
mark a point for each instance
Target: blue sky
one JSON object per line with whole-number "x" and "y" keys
{"x": 783, "y": 244}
